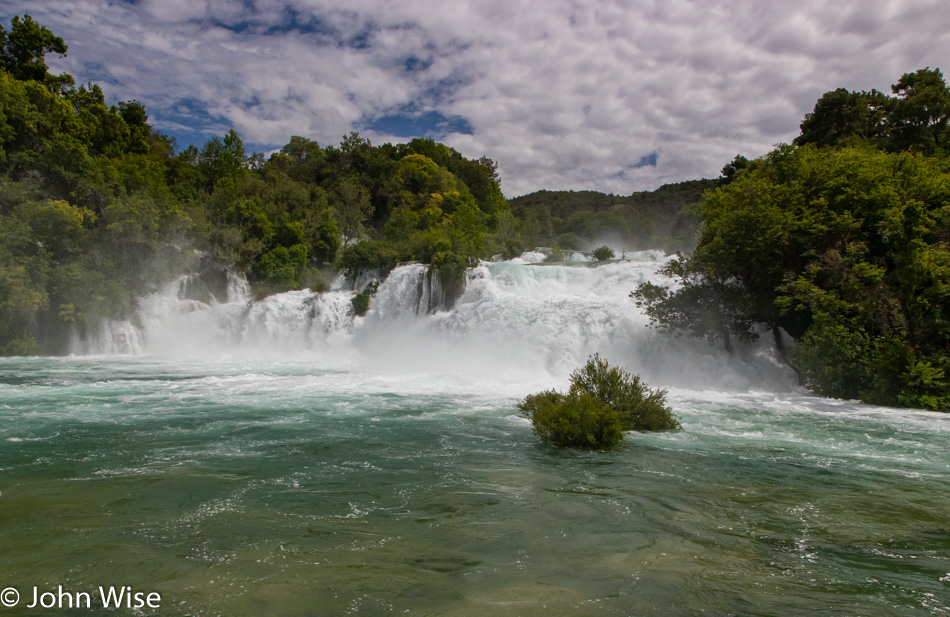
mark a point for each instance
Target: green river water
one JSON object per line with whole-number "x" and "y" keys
{"x": 267, "y": 488}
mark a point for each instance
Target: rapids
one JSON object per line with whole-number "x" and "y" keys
{"x": 518, "y": 318}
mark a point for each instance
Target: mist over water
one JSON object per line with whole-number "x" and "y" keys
{"x": 281, "y": 457}
{"x": 519, "y": 319}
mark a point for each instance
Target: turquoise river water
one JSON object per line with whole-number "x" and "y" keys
{"x": 372, "y": 468}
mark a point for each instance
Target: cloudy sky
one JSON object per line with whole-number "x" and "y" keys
{"x": 609, "y": 95}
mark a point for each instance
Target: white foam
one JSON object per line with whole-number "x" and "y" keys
{"x": 516, "y": 322}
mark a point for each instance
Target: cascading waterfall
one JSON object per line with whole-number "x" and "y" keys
{"x": 511, "y": 315}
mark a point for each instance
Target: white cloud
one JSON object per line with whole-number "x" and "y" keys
{"x": 561, "y": 93}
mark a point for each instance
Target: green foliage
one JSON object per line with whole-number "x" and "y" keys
{"x": 289, "y": 234}
{"x": 574, "y": 420}
{"x": 921, "y": 114}
{"x": 640, "y": 408}
{"x": 576, "y": 219}
{"x": 845, "y": 247}
{"x": 602, "y": 402}
{"x": 23, "y": 50}
{"x": 351, "y": 207}
{"x": 281, "y": 268}
{"x": 916, "y": 118}
{"x": 326, "y": 239}
{"x": 361, "y": 299}
{"x": 701, "y": 305}
{"x": 556, "y": 255}
{"x": 368, "y": 257}
{"x": 467, "y": 227}
{"x": 222, "y": 161}
{"x": 450, "y": 268}
{"x": 841, "y": 116}
{"x": 832, "y": 359}
{"x": 603, "y": 253}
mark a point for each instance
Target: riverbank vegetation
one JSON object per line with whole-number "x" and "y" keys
{"x": 842, "y": 240}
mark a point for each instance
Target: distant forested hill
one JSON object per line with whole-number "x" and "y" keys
{"x": 667, "y": 218}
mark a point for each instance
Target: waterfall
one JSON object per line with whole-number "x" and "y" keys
{"x": 511, "y": 315}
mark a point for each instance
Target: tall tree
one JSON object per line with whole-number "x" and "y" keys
{"x": 920, "y": 117}
{"x": 841, "y": 115}
{"x": 352, "y": 207}
{"x": 23, "y": 51}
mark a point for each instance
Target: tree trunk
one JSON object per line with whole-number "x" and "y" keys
{"x": 783, "y": 355}
{"x": 726, "y": 340}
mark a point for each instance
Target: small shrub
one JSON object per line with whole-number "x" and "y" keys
{"x": 640, "y": 408}
{"x": 512, "y": 249}
{"x": 603, "y": 253}
{"x": 601, "y": 404}
{"x": 361, "y": 299}
{"x": 312, "y": 279}
{"x": 574, "y": 420}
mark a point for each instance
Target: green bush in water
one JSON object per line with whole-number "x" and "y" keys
{"x": 602, "y": 403}
{"x": 640, "y": 408}
{"x": 603, "y": 253}
{"x": 574, "y": 420}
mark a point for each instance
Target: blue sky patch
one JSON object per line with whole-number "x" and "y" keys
{"x": 192, "y": 123}
{"x": 415, "y": 63}
{"x": 432, "y": 124}
{"x": 647, "y": 161}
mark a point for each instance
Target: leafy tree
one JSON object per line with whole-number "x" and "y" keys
{"x": 921, "y": 115}
{"x": 700, "y": 305}
{"x": 845, "y": 248}
{"x": 467, "y": 227}
{"x": 841, "y": 115}
{"x": 282, "y": 267}
{"x": 366, "y": 257}
{"x": 222, "y": 160}
{"x": 326, "y": 239}
{"x": 352, "y": 207}
{"x": 23, "y": 51}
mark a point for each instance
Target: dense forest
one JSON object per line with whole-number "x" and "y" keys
{"x": 842, "y": 240}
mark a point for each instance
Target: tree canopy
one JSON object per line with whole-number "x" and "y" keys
{"x": 843, "y": 241}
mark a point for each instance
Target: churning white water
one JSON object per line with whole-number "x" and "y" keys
{"x": 521, "y": 319}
